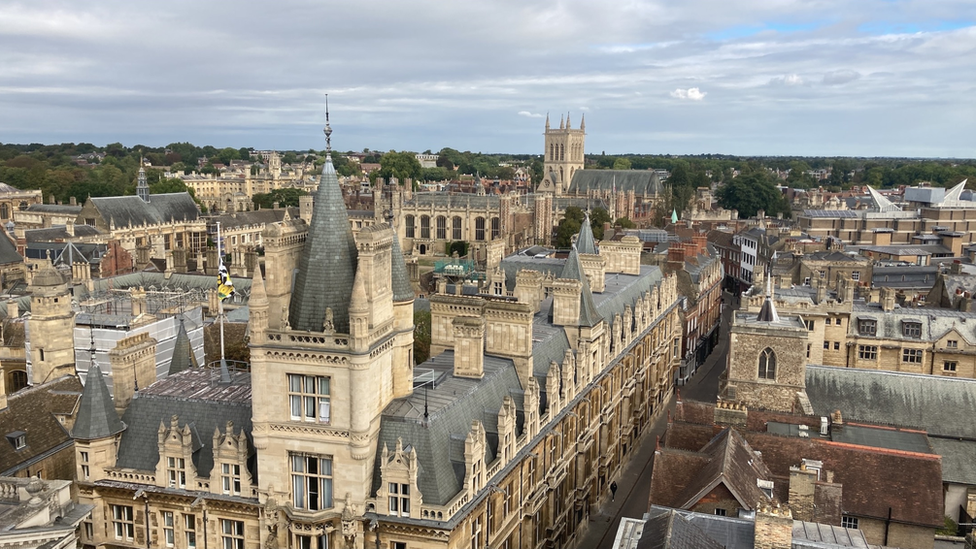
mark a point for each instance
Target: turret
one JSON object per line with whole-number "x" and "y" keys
{"x": 96, "y": 428}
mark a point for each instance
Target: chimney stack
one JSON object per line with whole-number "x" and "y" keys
{"x": 774, "y": 527}
{"x": 469, "y": 346}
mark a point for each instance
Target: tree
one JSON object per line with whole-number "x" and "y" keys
{"x": 421, "y": 336}
{"x": 226, "y": 155}
{"x": 625, "y": 223}
{"x": 753, "y": 191}
{"x": 598, "y": 217}
{"x": 244, "y": 154}
{"x": 169, "y": 185}
{"x": 289, "y": 158}
{"x": 621, "y": 164}
{"x": 400, "y": 165}
{"x": 284, "y": 197}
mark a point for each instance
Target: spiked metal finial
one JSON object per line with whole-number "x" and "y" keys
{"x": 328, "y": 129}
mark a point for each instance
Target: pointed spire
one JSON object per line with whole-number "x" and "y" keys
{"x": 573, "y": 270}
{"x": 562, "y": 124}
{"x": 327, "y": 267}
{"x": 183, "y": 358}
{"x": 96, "y": 417}
{"x": 402, "y": 291}
{"x": 259, "y": 293}
{"x": 585, "y": 242}
{"x": 567, "y": 121}
{"x": 142, "y": 187}
{"x": 674, "y": 215}
{"x": 583, "y": 122}
{"x": 768, "y": 311}
{"x": 547, "y": 121}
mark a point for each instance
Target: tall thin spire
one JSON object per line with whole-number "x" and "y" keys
{"x": 142, "y": 186}
{"x": 768, "y": 311}
{"x": 547, "y": 121}
{"x": 328, "y": 129}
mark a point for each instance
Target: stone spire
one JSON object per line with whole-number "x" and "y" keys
{"x": 567, "y": 121}
{"x": 327, "y": 267}
{"x": 183, "y": 358}
{"x": 547, "y": 121}
{"x": 96, "y": 412}
{"x": 573, "y": 269}
{"x": 768, "y": 311}
{"x": 402, "y": 291}
{"x": 583, "y": 122}
{"x": 585, "y": 243}
{"x": 562, "y": 123}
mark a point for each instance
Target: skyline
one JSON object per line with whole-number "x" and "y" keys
{"x": 879, "y": 78}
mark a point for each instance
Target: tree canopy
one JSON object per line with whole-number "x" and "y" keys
{"x": 753, "y": 191}
{"x": 284, "y": 197}
{"x": 571, "y": 223}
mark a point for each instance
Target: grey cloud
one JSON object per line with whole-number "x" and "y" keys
{"x": 837, "y": 78}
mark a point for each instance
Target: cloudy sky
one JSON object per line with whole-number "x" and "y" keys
{"x": 753, "y": 77}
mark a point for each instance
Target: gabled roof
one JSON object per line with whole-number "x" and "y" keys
{"x": 161, "y": 208}
{"x": 327, "y": 266}
{"x": 32, "y": 411}
{"x": 729, "y": 461}
{"x": 96, "y": 412}
{"x": 642, "y": 182}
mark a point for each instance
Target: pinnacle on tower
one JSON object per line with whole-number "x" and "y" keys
{"x": 583, "y": 122}
{"x": 562, "y": 124}
{"x": 547, "y": 121}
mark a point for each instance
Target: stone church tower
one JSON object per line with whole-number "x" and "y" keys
{"x": 328, "y": 353}
{"x": 563, "y": 155}
{"x": 51, "y": 327}
{"x": 767, "y": 360}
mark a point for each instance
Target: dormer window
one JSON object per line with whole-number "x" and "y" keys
{"x": 911, "y": 329}
{"x": 867, "y": 326}
{"x": 18, "y": 439}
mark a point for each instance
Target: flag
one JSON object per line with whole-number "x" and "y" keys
{"x": 225, "y": 286}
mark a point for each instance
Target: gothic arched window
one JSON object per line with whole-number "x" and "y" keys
{"x": 767, "y": 364}
{"x": 425, "y": 226}
{"x": 479, "y": 228}
{"x": 495, "y": 227}
{"x": 410, "y": 227}
{"x": 441, "y": 227}
{"x": 4, "y": 211}
{"x": 456, "y": 228}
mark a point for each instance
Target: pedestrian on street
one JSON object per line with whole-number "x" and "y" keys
{"x": 613, "y": 490}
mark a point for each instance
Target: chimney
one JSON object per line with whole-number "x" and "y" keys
{"x": 774, "y": 527}
{"x": 69, "y": 228}
{"x": 887, "y": 299}
{"x": 469, "y": 346}
{"x": 821, "y": 290}
{"x": 676, "y": 254}
{"x": 13, "y": 310}
{"x": 73, "y": 201}
{"x": 955, "y": 268}
{"x": 802, "y": 487}
{"x": 881, "y": 237}
{"x": 133, "y": 362}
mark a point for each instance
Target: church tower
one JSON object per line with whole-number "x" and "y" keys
{"x": 340, "y": 353}
{"x": 564, "y": 149}
{"x": 51, "y": 327}
{"x": 142, "y": 186}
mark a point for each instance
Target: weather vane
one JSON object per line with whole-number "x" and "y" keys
{"x": 328, "y": 129}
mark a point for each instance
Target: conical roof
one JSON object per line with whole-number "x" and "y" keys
{"x": 574, "y": 270}
{"x": 585, "y": 243}
{"x": 402, "y": 291}
{"x": 327, "y": 267}
{"x": 96, "y": 411}
{"x": 183, "y": 358}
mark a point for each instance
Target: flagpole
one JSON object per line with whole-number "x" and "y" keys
{"x": 220, "y": 302}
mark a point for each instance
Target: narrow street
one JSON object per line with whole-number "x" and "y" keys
{"x": 634, "y": 481}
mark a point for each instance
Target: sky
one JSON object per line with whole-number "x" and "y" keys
{"x": 750, "y": 77}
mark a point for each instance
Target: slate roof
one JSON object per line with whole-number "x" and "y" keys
{"x": 402, "y": 290}
{"x": 573, "y": 270}
{"x": 198, "y": 399}
{"x": 454, "y": 200}
{"x": 58, "y": 233}
{"x": 585, "y": 242}
{"x": 256, "y": 217}
{"x": 667, "y": 529}
{"x": 242, "y": 285}
{"x": 642, "y": 182}
{"x": 452, "y": 404}
{"x": 132, "y": 210}
{"x": 934, "y": 322}
{"x": 55, "y": 208}
{"x": 327, "y": 266}
{"x": 183, "y": 358}
{"x": 8, "y": 252}
{"x": 941, "y": 406}
{"x": 32, "y": 411}
{"x": 96, "y": 417}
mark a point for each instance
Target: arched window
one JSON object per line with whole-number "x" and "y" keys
{"x": 552, "y": 151}
{"x": 767, "y": 364}
{"x": 441, "y": 227}
{"x": 495, "y": 227}
{"x": 456, "y": 229}
{"x": 18, "y": 380}
{"x": 4, "y": 211}
{"x": 425, "y": 226}
{"x": 410, "y": 229}
{"x": 479, "y": 228}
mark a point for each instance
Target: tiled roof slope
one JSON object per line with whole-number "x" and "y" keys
{"x": 196, "y": 397}
{"x": 666, "y": 529}
{"x": 132, "y": 210}
{"x": 640, "y": 181}
{"x": 327, "y": 267}
{"x": 8, "y": 252}
{"x": 96, "y": 417}
{"x": 452, "y": 404}
{"x": 32, "y": 411}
